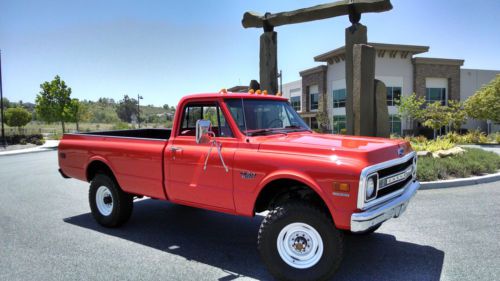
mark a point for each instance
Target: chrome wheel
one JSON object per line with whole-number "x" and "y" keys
{"x": 104, "y": 200}
{"x": 300, "y": 245}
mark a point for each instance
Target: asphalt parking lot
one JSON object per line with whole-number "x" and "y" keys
{"x": 47, "y": 233}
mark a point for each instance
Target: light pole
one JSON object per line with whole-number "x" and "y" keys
{"x": 280, "y": 76}
{"x": 139, "y": 97}
{"x": 4, "y": 143}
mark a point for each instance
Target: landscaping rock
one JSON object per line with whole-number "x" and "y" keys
{"x": 449, "y": 152}
{"x": 424, "y": 153}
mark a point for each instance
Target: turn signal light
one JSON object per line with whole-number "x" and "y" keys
{"x": 223, "y": 91}
{"x": 258, "y": 92}
{"x": 264, "y": 92}
{"x": 341, "y": 187}
{"x": 251, "y": 91}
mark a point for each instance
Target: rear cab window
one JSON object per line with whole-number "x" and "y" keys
{"x": 207, "y": 111}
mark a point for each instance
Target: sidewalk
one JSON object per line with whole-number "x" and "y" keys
{"x": 488, "y": 147}
{"x": 47, "y": 146}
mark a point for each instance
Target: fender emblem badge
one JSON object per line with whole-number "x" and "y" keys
{"x": 247, "y": 175}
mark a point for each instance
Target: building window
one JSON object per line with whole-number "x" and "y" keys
{"x": 339, "y": 98}
{"x": 395, "y": 124}
{"x": 314, "y": 123}
{"x": 313, "y": 98}
{"x": 436, "y": 95}
{"x": 295, "y": 101}
{"x": 393, "y": 95}
{"x": 338, "y": 124}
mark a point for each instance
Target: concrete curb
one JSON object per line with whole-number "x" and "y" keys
{"x": 49, "y": 145}
{"x": 460, "y": 182}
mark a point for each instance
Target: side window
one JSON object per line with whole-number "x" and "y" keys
{"x": 207, "y": 111}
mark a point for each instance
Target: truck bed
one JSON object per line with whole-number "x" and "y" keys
{"x": 134, "y": 156}
{"x": 160, "y": 134}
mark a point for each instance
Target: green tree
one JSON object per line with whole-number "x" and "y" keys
{"x": 485, "y": 103}
{"x": 53, "y": 102}
{"x": 456, "y": 114}
{"x": 435, "y": 116}
{"x": 79, "y": 112}
{"x": 410, "y": 108}
{"x": 17, "y": 117}
{"x": 6, "y": 103}
{"x": 323, "y": 121}
{"x": 126, "y": 108}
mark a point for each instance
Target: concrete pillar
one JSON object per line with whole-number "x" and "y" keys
{"x": 269, "y": 62}
{"x": 355, "y": 34}
{"x": 363, "y": 85}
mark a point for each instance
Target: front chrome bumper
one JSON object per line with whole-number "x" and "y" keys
{"x": 387, "y": 210}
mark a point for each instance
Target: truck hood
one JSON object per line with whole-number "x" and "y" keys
{"x": 367, "y": 149}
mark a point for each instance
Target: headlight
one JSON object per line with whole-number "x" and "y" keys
{"x": 371, "y": 187}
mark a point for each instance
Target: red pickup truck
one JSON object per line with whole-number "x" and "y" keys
{"x": 242, "y": 154}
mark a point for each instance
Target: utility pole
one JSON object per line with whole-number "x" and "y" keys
{"x": 280, "y": 76}
{"x": 4, "y": 143}
{"x": 139, "y": 97}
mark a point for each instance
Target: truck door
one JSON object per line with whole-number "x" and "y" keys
{"x": 188, "y": 181}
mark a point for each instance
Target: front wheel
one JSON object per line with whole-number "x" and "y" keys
{"x": 297, "y": 241}
{"x": 110, "y": 206}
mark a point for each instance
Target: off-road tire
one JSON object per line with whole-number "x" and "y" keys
{"x": 122, "y": 202}
{"x": 300, "y": 212}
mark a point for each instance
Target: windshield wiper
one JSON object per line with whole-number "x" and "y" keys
{"x": 295, "y": 128}
{"x": 264, "y": 132}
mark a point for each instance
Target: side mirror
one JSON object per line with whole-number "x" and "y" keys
{"x": 203, "y": 131}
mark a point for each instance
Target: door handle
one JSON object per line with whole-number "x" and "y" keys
{"x": 173, "y": 148}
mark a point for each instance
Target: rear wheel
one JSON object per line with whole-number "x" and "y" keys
{"x": 110, "y": 206}
{"x": 297, "y": 241}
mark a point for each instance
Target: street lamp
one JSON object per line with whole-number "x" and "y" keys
{"x": 4, "y": 143}
{"x": 139, "y": 97}
{"x": 280, "y": 76}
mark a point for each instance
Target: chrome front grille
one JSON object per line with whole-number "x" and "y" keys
{"x": 393, "y": 177}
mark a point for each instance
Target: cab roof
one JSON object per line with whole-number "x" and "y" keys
{"x": 232, "y": 95}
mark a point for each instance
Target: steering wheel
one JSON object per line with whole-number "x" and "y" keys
{"x": 274, "y": 121}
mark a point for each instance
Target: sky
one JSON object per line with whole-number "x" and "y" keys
{"x": 164, "y": 50}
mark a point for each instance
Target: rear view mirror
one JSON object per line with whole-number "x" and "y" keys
{"x": 203, "y": 131}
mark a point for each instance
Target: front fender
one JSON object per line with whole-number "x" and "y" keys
{"x": 297, "y": 176}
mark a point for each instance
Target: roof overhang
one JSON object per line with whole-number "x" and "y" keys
{"x": 392, "y": 50}
{"x": 317, "y": 69}
{"x": 438, "y": 61}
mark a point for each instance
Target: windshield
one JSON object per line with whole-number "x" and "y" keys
{"x": 265, "y": 116}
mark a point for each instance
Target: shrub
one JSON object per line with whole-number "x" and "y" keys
{"x": 420, "y": 144}
{"x": 121, "y": 126}
{"x": 17, "y": 117}
{"x": 494, "y": 138}
{"x": 24, "y": 139}
{"x": 473, "y": 162}
{"x": 475, "y": 136}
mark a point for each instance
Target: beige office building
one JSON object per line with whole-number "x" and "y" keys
{"x": 401, "y": 68}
